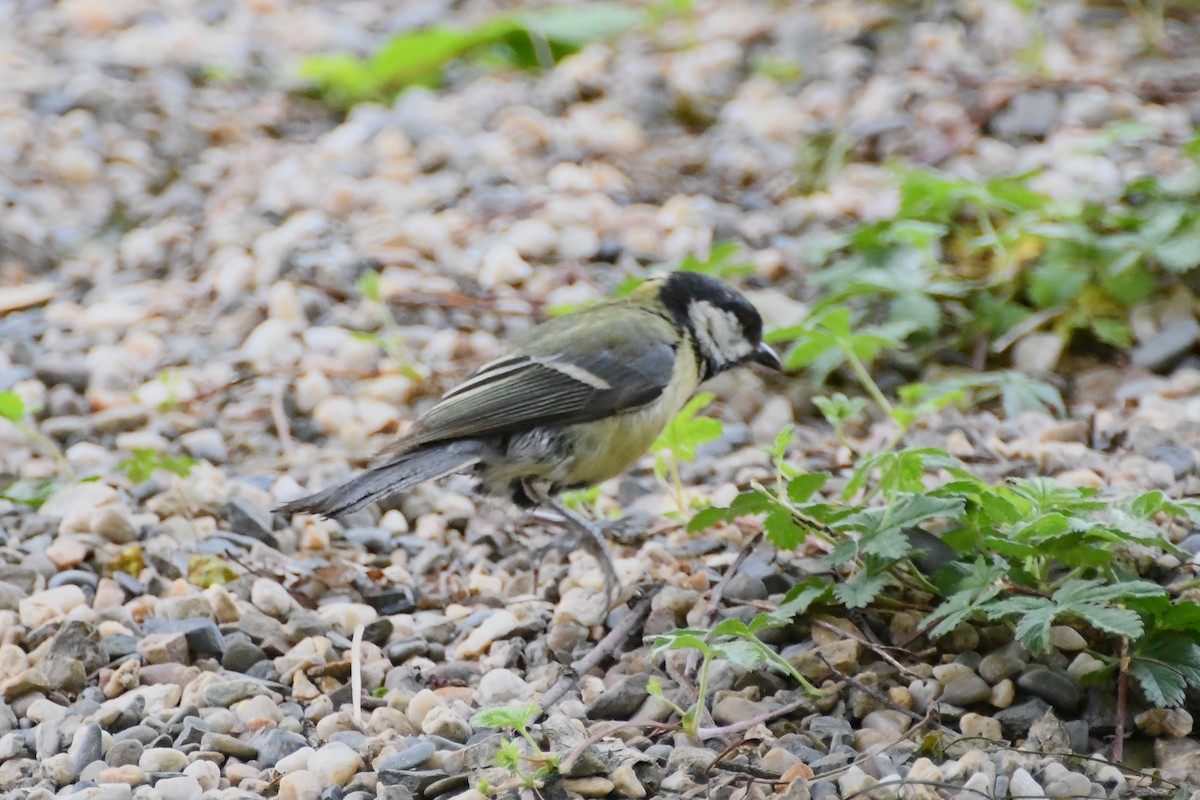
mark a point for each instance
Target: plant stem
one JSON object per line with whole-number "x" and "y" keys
{"x": 864, "y": 377}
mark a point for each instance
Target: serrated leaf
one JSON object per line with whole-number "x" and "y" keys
{"x": 860, "y": 589}
{"x": 801, "y": 488}
{"x": 799, "y": 599}
{"x": 782, "y": 530}
{"x": 742, "y": 653}
{"x": 517, "y": 716}
{"x": 1164, "y": 687}
{"x": 1117, "y": 621}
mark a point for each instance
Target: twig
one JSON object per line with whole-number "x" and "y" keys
{"x": 747, "y": 724}
{"x": 1122, "y": 679}
{"x": 874, "y": 694}
{"x": 603, "y": 648}
{"x": 279, "y": 417}
{"x": 877, "y": 649}
{"x": 356, "y": 675}
{"x": 718, "y": 593}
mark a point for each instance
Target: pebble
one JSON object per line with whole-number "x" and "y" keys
{"x": 182, "y": 787}
{"x": 299, "y": 785}
{"x": 966, "y": 690}
{"x": 271, "y": 598}
{"x": 334, "y": 764}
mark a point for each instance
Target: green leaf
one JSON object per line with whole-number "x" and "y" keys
{"x": 686, "y": 432}
{"x": 861, "y": 588}
{"x": 801, "y": 488}
{"x": 782, "y": 530}
{"x": 1181, "y": 252}
{"x": 12, "y": 407}
{"x": 800, "y": 598}
{"x": 743, "y": 653}
{"x": 578, "y": 25}
{"x": 514, "y": 716}
{"x": 1165, "y": 665}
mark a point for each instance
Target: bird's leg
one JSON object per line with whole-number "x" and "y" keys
{"x": 592, "y": 537}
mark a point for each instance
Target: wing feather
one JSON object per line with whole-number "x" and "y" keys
{"x": 627, "y": 367}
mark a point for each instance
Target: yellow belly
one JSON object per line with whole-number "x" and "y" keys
{"x": 606, "y": 448}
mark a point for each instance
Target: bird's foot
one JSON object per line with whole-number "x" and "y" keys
{"x": 591, "y": 536}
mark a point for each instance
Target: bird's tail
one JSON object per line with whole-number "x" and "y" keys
{"x": 407, "y": 470}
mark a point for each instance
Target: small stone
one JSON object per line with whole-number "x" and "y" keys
{"x": 162, "y": 759}
{"x": 205, "y": 444}
{"x": 1003, "y": 694}
{"x": 113, "y": 524}
{"x": 299, "y": 785}
{"x": 500, "y": 687}
{"x": 182, "y": 787}
{"x": 1023, "y": 785}
{"x": 271, "y": 598}
{"x": 594, "y": 786}
{"x": 124, "y": 752}
{"x": 296, "y": 760}
{"x": 625, "y": 782}
{"x": 731, "y": 708}
{"x": 1084, "y": 664}
{"x": 622, "y": 699}
{"x": 130, "y": 774}
{"x": 1157, "y": 722}
{"x": 1056, "y": 688}
{"x": 1067, "y": 639}
{"x": 966, "y": 690}
{"x": 995, "y": 667}
{"x": 980, "y": 727}
{"x": 498, "y": 625}
{"x": 443, "y": 722}
{"x": 1037, "y": 353}
{"x": 164, "y": 648}
{"x": 50, "y": 604}
{"x": 241, "y": 654}
{"x": 86, "y": 746}
{"x": 229, "y": 745}
{"x": 503, "y": 266}
{"x": 335, "y": 764}
{"x": 409, "y": 758}
{"x": 205, "y": 773}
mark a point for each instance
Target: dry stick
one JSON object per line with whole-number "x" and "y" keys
{"x": 718, "y": 593}
{"x": 603, "y": 648}
{"x": 877, "y": 695}
{"x": 877, "y": 649}
{"x": 279, "y": 417}
{"x": 747, "y": 724}
{"x": 1122, "y": 678}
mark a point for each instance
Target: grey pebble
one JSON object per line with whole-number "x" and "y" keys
{"x": 86, "y": 746}
{"x": 745, "y": 588}
{"x": 204, "y": 638}
{"x": 249, "y": 520}
{"x": 241, "y": 654}
{"x": 124, "y": 752}
{"x": 1016, "y": 720}
{"x": 1057, "y": 689}
{"x": 229, "y": 745}
{"x": 273, "y": 744}
{"x": 995, "y": 667}
{"x": 620, "y": 700}
{"x": 966, "y": 690}
{"x": 411, "y": 757}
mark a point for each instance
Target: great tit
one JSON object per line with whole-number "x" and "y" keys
{"x": 577, "y": 400}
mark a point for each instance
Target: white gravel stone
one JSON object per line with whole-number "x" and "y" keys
{"x": 296, "y": 761}
{"x": 163, "y": 759}
{"x": 501, "y": 686}
{"x": 271, "y": 598}
{"x": 334, "y": 764}
{"x": 299, "y": 785}
{"x": 503, "y": 266}
{"x": 182, "y": 787}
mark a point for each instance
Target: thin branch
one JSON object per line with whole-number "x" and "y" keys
{"x": 605, "y": 647}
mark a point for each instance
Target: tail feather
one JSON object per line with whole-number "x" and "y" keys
{"x": 375, "y": 484}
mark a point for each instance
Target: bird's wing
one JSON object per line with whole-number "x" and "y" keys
{"x": 628, "y": 363}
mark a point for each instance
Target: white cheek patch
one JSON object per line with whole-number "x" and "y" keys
{"x": 718, "y": 332}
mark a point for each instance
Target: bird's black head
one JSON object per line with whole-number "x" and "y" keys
{"x": 725, "y": 327}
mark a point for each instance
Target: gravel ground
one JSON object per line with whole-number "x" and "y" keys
{"x": 179, "y": 249}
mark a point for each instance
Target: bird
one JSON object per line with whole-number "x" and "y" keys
{"x": 576, "y": 401}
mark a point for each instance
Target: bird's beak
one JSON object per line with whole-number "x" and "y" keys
{"x": 765, "y": 355}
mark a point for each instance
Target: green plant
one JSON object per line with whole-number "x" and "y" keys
{"x": 968, "y": 263}
{"x": 523, "y": 40}
{"x": 509, "y": 756}
{"x": 679, "y": 441}
{"x": 12, "y": 408}
{"x": 737, "y": 642}
{"x": 143, "y": 463}
{"x": 391, "y": 340}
